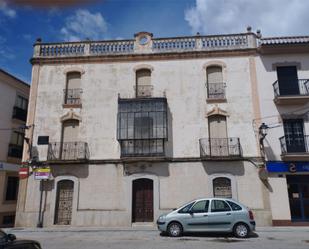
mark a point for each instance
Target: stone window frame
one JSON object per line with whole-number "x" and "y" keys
{"x": 231, "y": 177}
{"x": 66, "y": 73}
{"x": 215, "y": 63}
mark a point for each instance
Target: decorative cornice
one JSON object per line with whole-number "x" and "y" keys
{"x": 217, "y": 111}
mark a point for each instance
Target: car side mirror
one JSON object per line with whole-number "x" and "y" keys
{"x": 190, "y": 212}
{"x": 11, "y": 237}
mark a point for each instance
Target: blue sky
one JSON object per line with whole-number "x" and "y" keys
{"x": 117, "y": 19}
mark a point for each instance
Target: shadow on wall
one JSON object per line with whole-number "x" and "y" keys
{"x": 79, "y": 171}
{"x": 169, "y": 143}
{"x": 269, "y": 153}
{"x": 232, "y": 167}
{"x": 158, "y": 169}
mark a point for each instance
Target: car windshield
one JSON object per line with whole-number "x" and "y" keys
{"x": 186, "y": 207}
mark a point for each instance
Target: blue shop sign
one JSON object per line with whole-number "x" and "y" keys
{"x": 291, "y": 167}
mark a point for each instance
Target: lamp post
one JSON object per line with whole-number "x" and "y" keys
{"x": 262, "y": 134}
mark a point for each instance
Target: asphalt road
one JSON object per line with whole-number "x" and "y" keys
{"x": 272, "y": 238}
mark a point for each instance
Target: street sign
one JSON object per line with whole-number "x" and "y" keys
{"x": 23, "y": 172}
{"x": 42, "y": 173}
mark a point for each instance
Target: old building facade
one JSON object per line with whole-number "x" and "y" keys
{"x": 14, "y": 95}
{"x": 283, "y": 73}
{"x": 135, "y": 128}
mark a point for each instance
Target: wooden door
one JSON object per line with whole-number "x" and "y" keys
{"x": 64, "y": 202}
{"x": 288, "y": 80}
{"x": 218, "y": 141}
{"x": 142, "y": 200}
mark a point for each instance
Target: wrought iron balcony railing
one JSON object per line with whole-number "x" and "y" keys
{"x": 303, "y": 88}
{"x": 15, "y": 151}
{"x": 290, "y": 144}
{"x": 68, "y": 151}
{"x": 72, "y": 96}
{"x": 20, "y": 114}
{"x": 143, "y": 91}
{"x": 216, "y": 90}
{"x": 142, "y": 148}
{"x": 220, "y": 147}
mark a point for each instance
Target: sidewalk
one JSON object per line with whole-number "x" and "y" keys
{"x": 135, "y": 228}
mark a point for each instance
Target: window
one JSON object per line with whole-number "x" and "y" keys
{"x": 142, "y": 126}
{"x": 234, "y": 206}
{"x": 16, "y": 145}
{"x": 186, "y": 208}
{"x": 288, "y": 80}
{"x": 215, "y": 84}
{"x": 11, "y": 188}
{"x": 200, "y": 207}
{"x": 219, "y": 206}
{"x": 21, "y": 102}
{"x": 8, "y": 220}
{"x": 72, "y": 93}
{"x": 143, "y": 83}
{"x": 222, "y": 187}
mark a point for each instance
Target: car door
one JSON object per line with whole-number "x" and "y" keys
{"x": 220, "y": 217}
{"x": 198, "y": 216}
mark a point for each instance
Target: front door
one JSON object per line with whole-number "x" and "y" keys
{"x": 298, "y": 189}
{"x": 64, "y": 202}
{"x": 198, "y": 216}
{"x": 288, "y": 80}
{"x": 294, "y": 135}
{"x": 142, "y": 203}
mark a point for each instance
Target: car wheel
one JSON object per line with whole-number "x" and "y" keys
{"x": 241, "y": 230}
{"x": 174, "y": 229}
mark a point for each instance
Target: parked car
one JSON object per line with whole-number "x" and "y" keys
{"x": 9, "y": 241}
{"x": 208, "y": 215}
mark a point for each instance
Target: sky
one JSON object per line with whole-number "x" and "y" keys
{"x": 21, "y": 25}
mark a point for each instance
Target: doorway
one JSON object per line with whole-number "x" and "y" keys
{"x": 142, "y": 200}
{"x": 298, "y": 189}
{"x": 64, "y": 202}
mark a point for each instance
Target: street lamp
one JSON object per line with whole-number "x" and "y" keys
{"x": 263, "y": 132}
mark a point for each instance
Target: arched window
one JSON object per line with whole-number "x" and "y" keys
{"x": 222, "y": 187}
{"x": 143, "y": 83}
{"x": 72, "y": 92}
{"x": 215, "y": 84}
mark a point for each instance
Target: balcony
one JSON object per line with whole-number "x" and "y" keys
{"x": 142, "y": 127}
{"x": 75, "y": 152}
{"x": 216, "y": 92}
{"x": 295, "y": 95}
{"x": 20, "y": 114}
{"x": 294, "y": 148}
{"x": 15, "y": 151}
{"x": 72, "y": 98}
{"x": 220, "y": 148}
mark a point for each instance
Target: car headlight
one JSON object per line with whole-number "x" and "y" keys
{"x": 162, "y": 217}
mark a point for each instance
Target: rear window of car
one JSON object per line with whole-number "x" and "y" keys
{"x": 234, "y": 206}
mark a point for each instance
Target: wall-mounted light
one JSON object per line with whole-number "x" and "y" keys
{"x": 263, "y": 132}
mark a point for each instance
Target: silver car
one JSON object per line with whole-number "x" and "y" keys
{"x": 208, "y": 215}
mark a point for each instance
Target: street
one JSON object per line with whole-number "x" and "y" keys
{"x": 135, "y": 238}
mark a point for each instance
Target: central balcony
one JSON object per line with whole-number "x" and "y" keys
{"x": 72, "y": 97}
{"x": 220, "y": 147}
{"x": 68, "y": 151}
{"x": 216, "y": 91}
{"x": 295, "y": 93}
{"x": 294, "y": 148}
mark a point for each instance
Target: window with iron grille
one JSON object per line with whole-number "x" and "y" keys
{"x": 142, "y": 126}
{"x": 16, "y": 145}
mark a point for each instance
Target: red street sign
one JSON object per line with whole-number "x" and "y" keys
{"x": 23, "y": 173}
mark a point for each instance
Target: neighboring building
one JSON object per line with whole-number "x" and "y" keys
{"x": 14, "y": 95}
{"x": 283, "y": 80}
{"x": 138, "y": 127}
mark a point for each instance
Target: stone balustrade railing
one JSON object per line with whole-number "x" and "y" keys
{"x": 152, "y": 45}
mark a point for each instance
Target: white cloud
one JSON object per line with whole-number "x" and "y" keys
{"x": 84, "y": 24}
{"x": 273, "y": 17}
{"x": 6, "y": 10}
